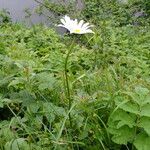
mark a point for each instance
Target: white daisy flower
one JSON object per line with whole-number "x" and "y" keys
{"x": 73, "y": 26}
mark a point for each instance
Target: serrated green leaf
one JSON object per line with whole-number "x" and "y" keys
{"x": 5, "y": 132}
{"x": 4, "y": 101}
{"x": 142, "y": 142}
{"x": 17, "y": 144}
{"x": 25, "y": 96}
{"x": 44, "y": 86}
{"x": 123, "y": 118}
{"x": 123, "y": 135}
{"x": 16, "y": 81}
{"x": 141, "y": 91}
{"x": 129, "y": 107}
{"x": 46, "y": 81}
{"x": 145, "y": 110}
{"x": 142, "y": 95}
{"x": 145, "y": 124}
{"x": 51, "y": 111}
{"x": 34, "y": 107}
{"x": 5, "y": 80}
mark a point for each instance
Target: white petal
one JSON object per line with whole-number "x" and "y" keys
{"x": 89, "y": 26}
{"x": 74, "y": 26}
{"x": 60, "y": 25}
{"x": 63, "y": 21}
{"x": 89, "y": 31}
{"x": 81, "y": 23}
{"x": 67, "y": 19}
{"x": 85, "y": 25}
{"x": 75, "y": 22}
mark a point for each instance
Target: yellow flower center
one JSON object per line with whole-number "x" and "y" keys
{"x": 77, "y": 31}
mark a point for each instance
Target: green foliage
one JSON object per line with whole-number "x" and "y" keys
{"x": 119, "y": 12}
{"x": 108, "y": 78}
{"x": 129, "y": 121}
{"x": 142, "y": 142}
{"x": 57, "y": 8}
{"x": 4, "y": 16}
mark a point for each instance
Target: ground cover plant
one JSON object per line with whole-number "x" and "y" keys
{"x": 109, "y": 81}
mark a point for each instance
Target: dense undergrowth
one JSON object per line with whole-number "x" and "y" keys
{"x": 109, "y": 79}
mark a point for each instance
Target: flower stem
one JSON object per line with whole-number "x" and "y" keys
{"x": 67, "y": 81}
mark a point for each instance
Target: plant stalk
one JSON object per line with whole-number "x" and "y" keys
{"x": 67, "y": 81}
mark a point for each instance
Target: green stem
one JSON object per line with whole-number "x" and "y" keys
{"x": 67, "y": 81}
{"x": 136, "y": 128}
{"x": 63, "y": 125}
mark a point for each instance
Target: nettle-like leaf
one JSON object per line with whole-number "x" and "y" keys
{"x": 46, "y": 81}
{"x": 23, "y": 96}
{"x": 17, "y": 144}
{"x": 123, "y": 118}
{"x": 51, "y": 111}
{"x": 145, "y": 124}
{"x": 4, "y": 101}
{"x": 141, "y": 95}
{"x": 16, "y": 81}
{"x": 5, "y": 132}
{"x": 128, "y": 106}
{"x": 142, "y": 142}
{"x": 145, "y": 110}
{"x": 141, "y": 91}
{"x": 121, "y": 126}
{"x": 123, "y": 135}
{"x": 132, "y": 112}
{"x": 33, "y": 107}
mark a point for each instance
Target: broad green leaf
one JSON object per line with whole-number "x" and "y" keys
{"x": 142, "y": 142}
{"x": 142, "y": 95}
{"x": 34, "y": 107}
{"x": 141, "y": 91}
{"x": 5, "y": 80}
{"x": 16, "y": 81}
{"x": 123, "y": 118}
{"x": 6, "y": 133}
{"x": 123, "y": 135}
{"x": 48, "y": 85}
{"x": 145, "y": 110}
{"x": 25, "y": 97}
{"x": 49, "y": 111}
{"x": 46, "y": 81}
{"x": 145, "y": 124}
{"x": 129, "y": 106}
{"x": 17, "y": 144}
{"x": 52, "y": 111}
{"x": 4, "y": 101}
